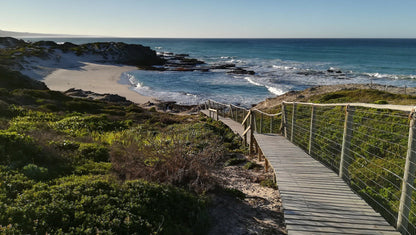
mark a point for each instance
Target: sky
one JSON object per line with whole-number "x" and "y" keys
{"x": 213, "y": 18}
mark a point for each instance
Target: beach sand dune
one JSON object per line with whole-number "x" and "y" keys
{"x": 98, "y": 78}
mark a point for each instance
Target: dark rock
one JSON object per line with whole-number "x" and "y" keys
{"x": 173, "y": 107}
{"x": 151, "y": 68}
{"x": 191, "y": 61}
{"x": 132, "y": 54}
{"x": 332, "y": 70}
{"x": 182, "y": 69}
{"x": 49, "y": 44}
{"x": 76, "y": 93}
{"x": 310, "y": 73}
{"x": 182, "y": 55}
{"x": 113, "y": 98}
{"x": 223, "y": 66}
{"x": 241, "y": 71}
{"x": 11, "y": 42}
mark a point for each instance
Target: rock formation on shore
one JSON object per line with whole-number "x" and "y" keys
{"x": 14, "y": 52}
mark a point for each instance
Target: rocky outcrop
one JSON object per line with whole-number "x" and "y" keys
{"x": 130, "y": 54}
{"x": 222, "y": 66}
{"x": 241, "y": 71}
{"x": 8, "y": 42}
{"x": 181, "y": 62}
{"x": 112, "y": 52}
{"x": 113, "y": 98}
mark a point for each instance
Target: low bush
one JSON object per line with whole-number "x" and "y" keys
{"x": 94, "y": 168}
{"x": 16, "y": 150}
{"x": 181, "y": 155}
{"x": 96, "y": 204}
{"x": 84, "y": 125}
{"x": 94, "y": 152}
{"x": 268, "y": 183}
{"x": 235, "y": 161}
{"x": 35, "y": 172}
{"x": 251, "y": 165}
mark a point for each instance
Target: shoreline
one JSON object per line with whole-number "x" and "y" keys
{"x": 98, "y": 78}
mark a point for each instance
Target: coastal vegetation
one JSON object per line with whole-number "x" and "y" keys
{"x": 70, "y": 165}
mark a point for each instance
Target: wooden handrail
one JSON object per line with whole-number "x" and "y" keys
{"x": 406, "y": 108}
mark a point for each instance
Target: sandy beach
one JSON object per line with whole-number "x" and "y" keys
{"x": 98, "y": 78}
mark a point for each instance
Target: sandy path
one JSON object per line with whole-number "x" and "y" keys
{"x": 98, "y": 78}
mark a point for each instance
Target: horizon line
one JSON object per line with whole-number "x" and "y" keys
{"x": 148, "y": 37}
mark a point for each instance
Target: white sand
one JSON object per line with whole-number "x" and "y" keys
{"x": 98, "y": 78}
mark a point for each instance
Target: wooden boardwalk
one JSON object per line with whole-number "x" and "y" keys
{"x": 315, "y": 199}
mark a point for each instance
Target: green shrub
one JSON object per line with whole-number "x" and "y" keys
{"x": 35, "y": 172}
{"x": 235, "y": 161}
{"x": 84, "y": 125}
{"x": 381, "y": 102}
{"x": 12, "y": 184}
{"x": 4, "y": 109}
{"x": 268, "y": 183}
{"x": 16, "y": 150}
{"x": 95, "y": 168}
{"x": 65, "y": 145}
{"x": 83, "y": 106}
{"x": 251, "y": 165}
{"x": 88, "y": 204}
{"x": 93, "y": 151}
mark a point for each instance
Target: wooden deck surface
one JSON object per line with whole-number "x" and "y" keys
{"x": 315, "y": 199}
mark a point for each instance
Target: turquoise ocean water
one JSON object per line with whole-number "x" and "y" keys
{"x": 281, "y": 65}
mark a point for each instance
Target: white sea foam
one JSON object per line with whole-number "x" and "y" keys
{"x": 390, "y": 76}
{"x": 252, "y": 82}
{"x": 275, "y": 90}
{"x": 283, "y": 67}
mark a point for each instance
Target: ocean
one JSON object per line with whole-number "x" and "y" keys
{"x": 281, "y": 65}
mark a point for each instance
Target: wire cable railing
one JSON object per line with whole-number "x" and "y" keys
{"x": 372, "y": 147}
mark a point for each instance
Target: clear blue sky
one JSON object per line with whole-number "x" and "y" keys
{"x": 213, "y": 18}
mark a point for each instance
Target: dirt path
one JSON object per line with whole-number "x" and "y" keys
{"x": 258, "y": 213}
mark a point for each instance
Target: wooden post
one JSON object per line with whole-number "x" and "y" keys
{"x": 266, "y": 164}
{"x": 258, "y": 151}
{"x": 261, "y": 123}
{"x": 254, "y": 121}
{"x": 408, "y": 178}
{"x": 245, "y": 135}
{"x": 312, "y": 130}
{"x": 284, "y": 119}
{"x": 251, "y": 133}
{"x": 346, "y": 143}
{"x": 293, "y": 122}
{"x": 231, "y": 111}
{"x": 271, "y": 124}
